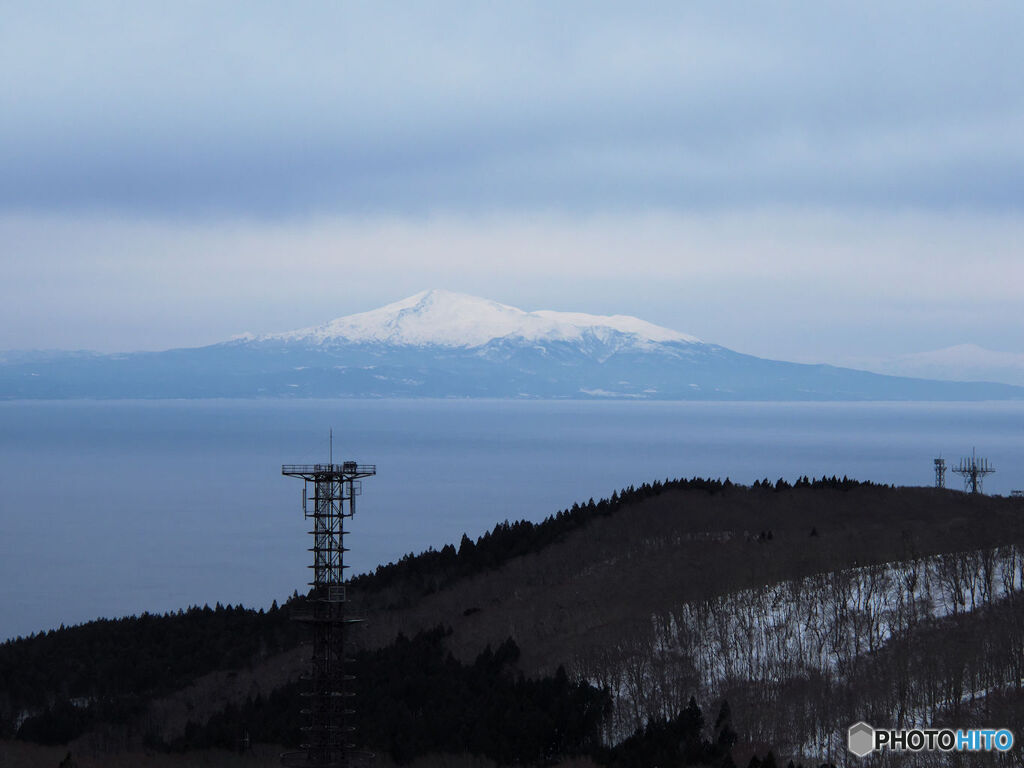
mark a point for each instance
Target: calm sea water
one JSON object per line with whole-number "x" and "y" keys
{"x": 113, "y": 508}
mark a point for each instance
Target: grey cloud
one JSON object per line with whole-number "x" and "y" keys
{"x": 207, "y": 109}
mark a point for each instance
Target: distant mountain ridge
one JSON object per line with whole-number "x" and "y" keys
{"x": 439, "y": 344}
{"x": 962, "y": 362}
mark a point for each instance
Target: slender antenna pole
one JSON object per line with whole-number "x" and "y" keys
{"x": 330, "y": 451}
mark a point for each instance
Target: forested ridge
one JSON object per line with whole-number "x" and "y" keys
{"x": 416, "y": 699}
{"x": 139, "y": 656}
{"x": 434, "y": 569}
{"x": 682, "y": 575}
{"x": 109, "y": 668}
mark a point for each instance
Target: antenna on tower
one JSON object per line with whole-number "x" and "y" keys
{"x": 973, "y": 470}
{"x": 330, "y": 450}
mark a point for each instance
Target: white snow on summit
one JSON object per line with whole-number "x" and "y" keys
{"x": 452, "y": 319}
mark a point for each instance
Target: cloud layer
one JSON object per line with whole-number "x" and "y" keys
{"x": 189, "y": 109}
{"x": 792, "y": 179}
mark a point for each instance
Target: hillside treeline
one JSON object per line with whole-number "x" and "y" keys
{"x": 109, "y": 668}
{"x": 432, "y": 570}
{"x": 151, "y": 652}
{"x": 414, "y": 698}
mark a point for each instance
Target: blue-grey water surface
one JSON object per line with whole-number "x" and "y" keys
{"x": 112, "y": 508}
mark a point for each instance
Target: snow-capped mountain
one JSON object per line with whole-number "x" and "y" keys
{"x": 448, "y": 319}
{"x": 443, "y": 344}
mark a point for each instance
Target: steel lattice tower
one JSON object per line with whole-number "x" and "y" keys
{"x": 973, "y": 471}
{"x": 940, "y": 472}
{"x": 329, "y": 709}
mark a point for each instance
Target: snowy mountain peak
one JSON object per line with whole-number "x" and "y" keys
{"x": 445, "y": 318}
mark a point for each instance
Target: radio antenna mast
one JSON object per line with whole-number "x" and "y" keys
{"x": 940, "y": 472}
{"x": 328, "y": 699}
{"x": 973, "y": 471}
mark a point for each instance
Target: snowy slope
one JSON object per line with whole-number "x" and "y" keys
{"x": 447, "y": 319}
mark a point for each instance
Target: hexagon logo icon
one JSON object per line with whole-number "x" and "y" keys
{"x": 861, "y": 739}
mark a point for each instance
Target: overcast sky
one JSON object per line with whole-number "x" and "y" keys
{"x": 811, "y": 181}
